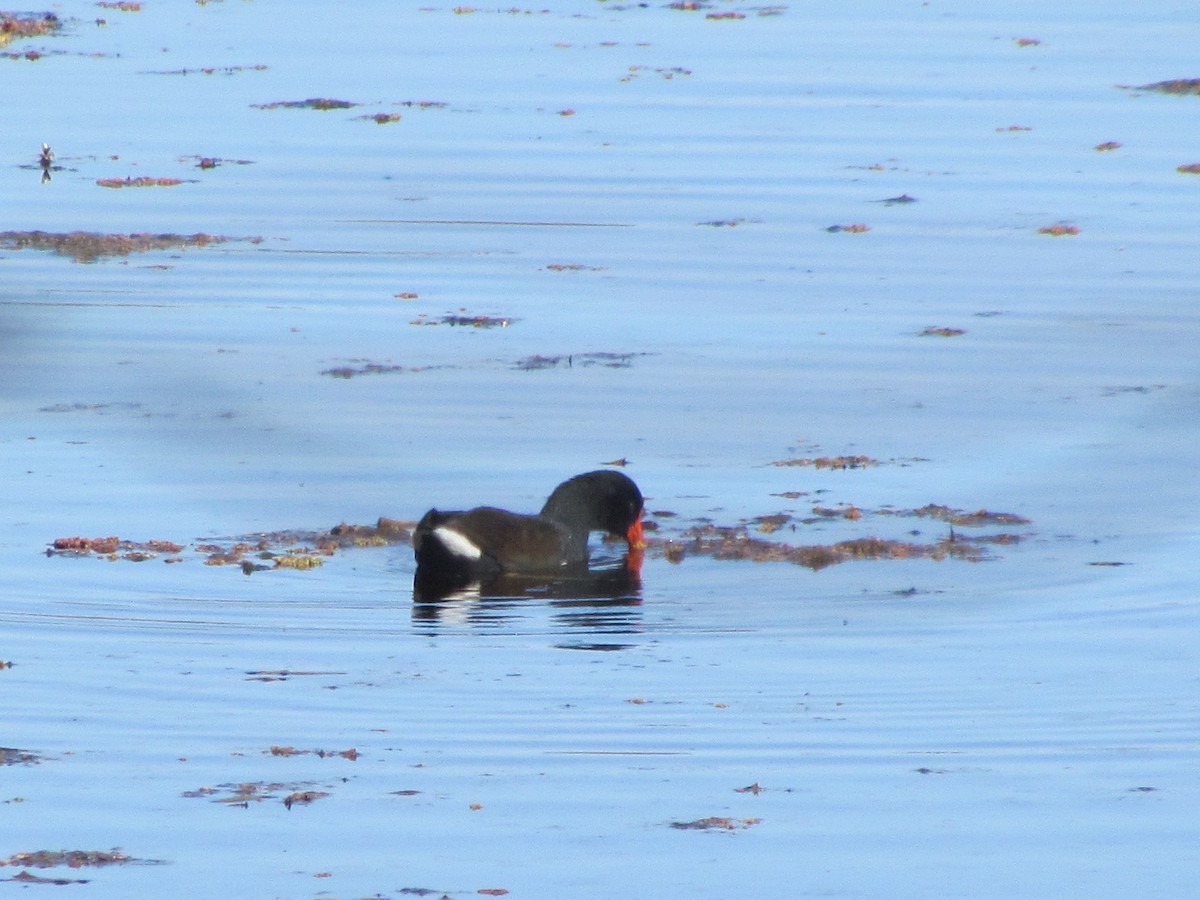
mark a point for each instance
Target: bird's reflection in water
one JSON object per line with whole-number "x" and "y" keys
{"x": 583, "y": 601}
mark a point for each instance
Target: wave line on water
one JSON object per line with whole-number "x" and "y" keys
{"x": 484, "y": 222}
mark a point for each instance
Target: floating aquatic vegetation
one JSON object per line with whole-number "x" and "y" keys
{"x": 210, "y": 70}
{"x": 138, "y": 182}
{"x": 754, "y": 789}
{"x": 319, "y": 103}
{"x": 304, "y": 797}
{"x": 27, "y": 877}
{"x": 1059, "y": 230}
{"x": 212, "y": 162}
{"x": 75, "y": 859}
{"x": 1174, "y": 86}
{"x": 463, "y": 318}
{"x": 11, "y": 756}
{"x": 830, "y": 462}
{"x": 90, "y": 246}
{"x": 256, "y": 553}
{"x": 385, "y": 532}
{"x": 718, "y": 823}
{"x": 366, "y": 368}
{"x": 283, "y": 674}
{"x": 277, "y": 750}
{"x": 734, "y": 543}
{"x": 974, "y": 519}
{"x": 854, "y": 228}
{"x": 113, "y": 548}
{"x": 606, "y": 359}
{"x": 15, "y": 27}
{"x": 665, "y": 72}
{"x": 243, "y": 793}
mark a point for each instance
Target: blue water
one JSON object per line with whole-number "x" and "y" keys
{"x": 1021, "y": 726}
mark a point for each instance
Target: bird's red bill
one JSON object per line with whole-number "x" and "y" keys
{"x": 637, "y": 540}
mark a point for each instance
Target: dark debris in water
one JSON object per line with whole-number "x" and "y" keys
{"x": 976, "y": 519}
{"x": 210, "y": 70}
{"x": 1173, "y": 86}
{"x": 212, "y": 162}
{"x": 27, "y": 877}
{"x": 754, "y": 789}
{"x": 90, "y": 246}
{"x": 11, "y": 756}
{"x": 464, "y": 318}
{"x": 667, "y": 73}
{"x": 318, "y": 103}
{"x": 716, "y": 823}
{"x": 279, "y": 750}
{"x": 568, "y": 361}
{"x": 244, "y": 793}
{"x": 141, "y": 181}
{"x": 573, "y": 267}
{"x": 304, "y": 797}
{"x": 829, "y": 462}
{"x": 354, "y": 368}
{"x": 271, "y": 675}
{"x": 73, "y": 859}
{"x": 99, "y": 408}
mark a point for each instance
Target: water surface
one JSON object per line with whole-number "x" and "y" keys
{"x": 647, "y": 191}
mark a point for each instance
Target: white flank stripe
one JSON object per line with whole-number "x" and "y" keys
{"x": 456, "y": 543}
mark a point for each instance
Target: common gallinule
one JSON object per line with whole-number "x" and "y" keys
{"x": 485, "y": 541}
